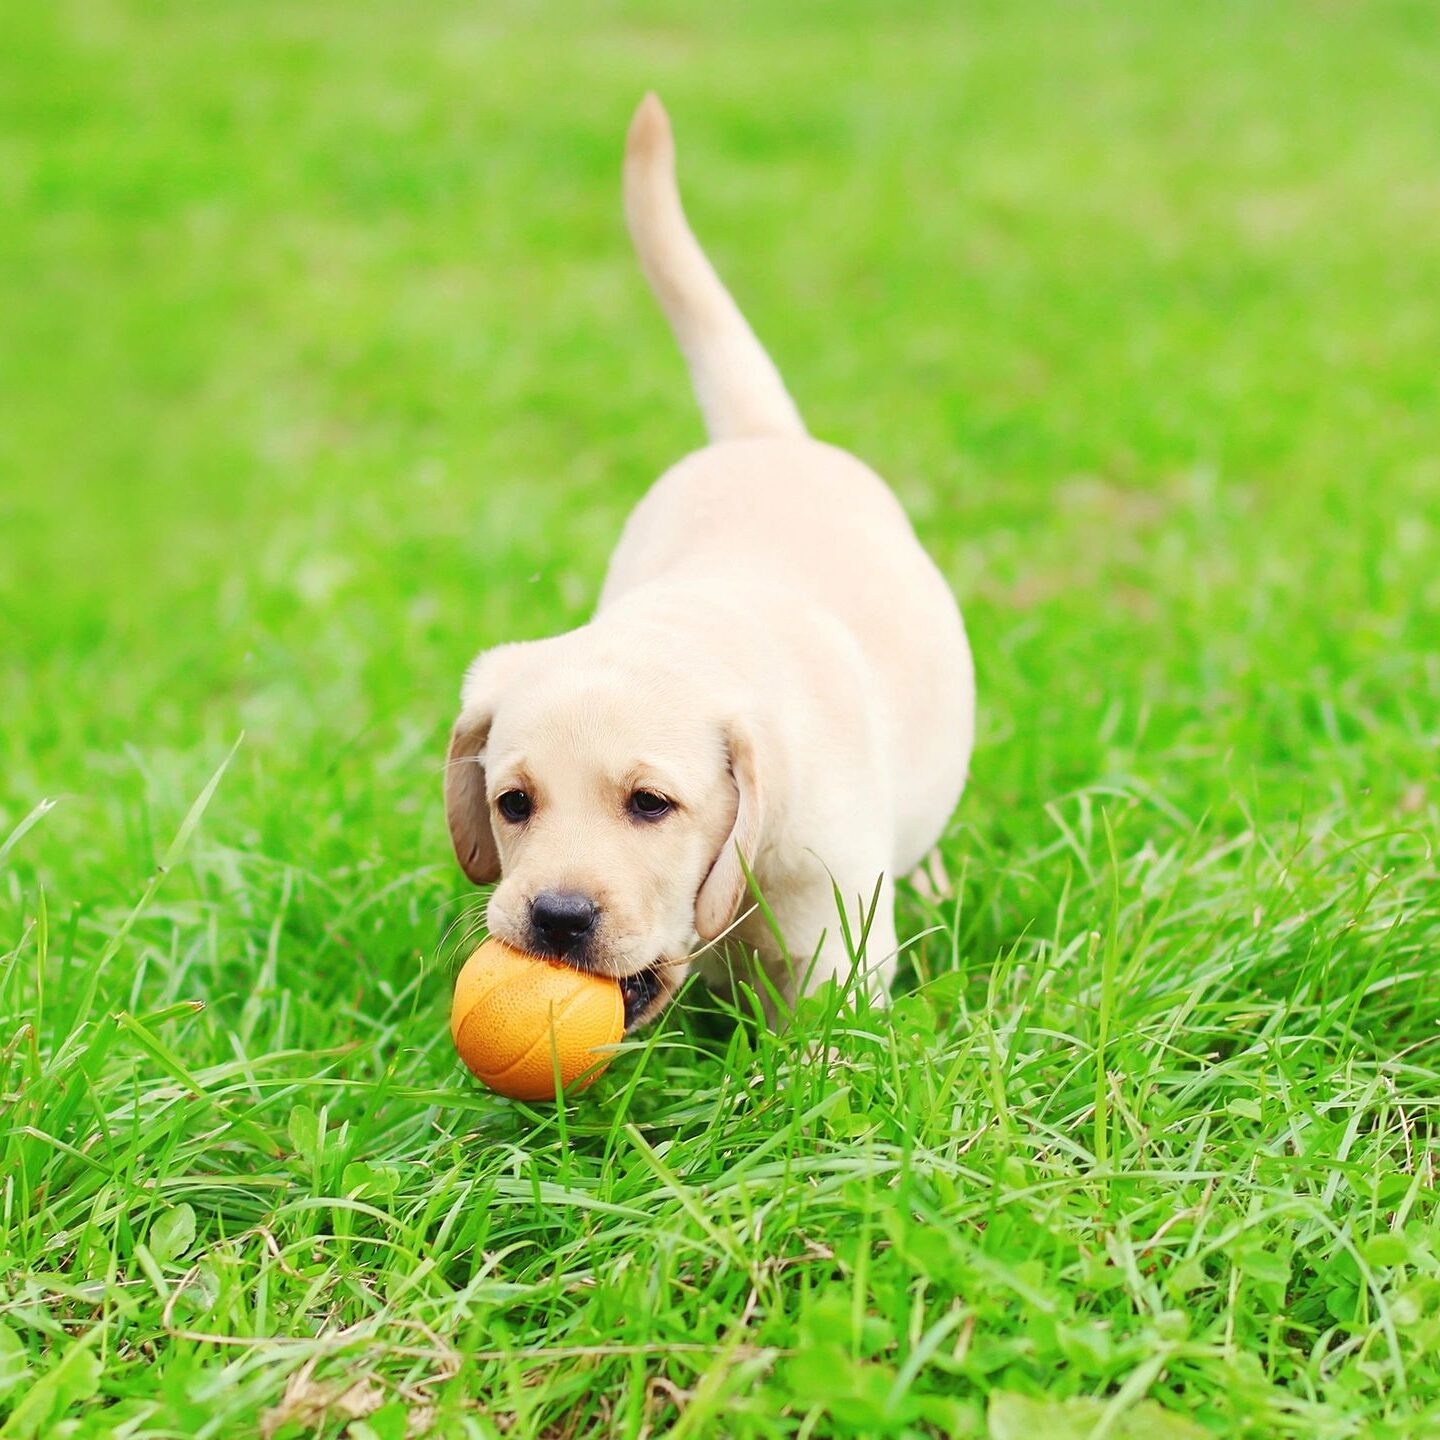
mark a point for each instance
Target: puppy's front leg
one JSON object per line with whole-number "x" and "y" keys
{"x": 856, "y": 950}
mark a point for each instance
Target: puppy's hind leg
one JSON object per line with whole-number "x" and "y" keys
{"x": 931, "y": 879}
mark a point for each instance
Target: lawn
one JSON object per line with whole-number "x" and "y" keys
{"x": 324, "y": 362}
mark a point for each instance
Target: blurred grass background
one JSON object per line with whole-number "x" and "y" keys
{"x": 307, "y": 307}
{"x": 324, "y": 362}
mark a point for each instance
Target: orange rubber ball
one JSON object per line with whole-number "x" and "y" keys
{"x": 514, "y": 1015}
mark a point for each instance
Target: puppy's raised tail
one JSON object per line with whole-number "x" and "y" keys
{"x": 739, "y": 389}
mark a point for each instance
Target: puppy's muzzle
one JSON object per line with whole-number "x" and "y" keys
{"x": 564, "y": 925}
{"x": 561, "y": 921}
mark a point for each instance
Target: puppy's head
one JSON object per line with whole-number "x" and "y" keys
{"x": 612, "y": 801}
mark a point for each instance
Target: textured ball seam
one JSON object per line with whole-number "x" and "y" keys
{"x": 544, "y": 1038}
{"x": 457, "y": 1024}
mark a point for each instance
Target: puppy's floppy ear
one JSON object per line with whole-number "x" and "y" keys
{"x": 467, "y": 805}
{"x": 723, "y": 887}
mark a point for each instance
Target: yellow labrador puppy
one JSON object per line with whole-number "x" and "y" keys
{"x": 776, "y": 678}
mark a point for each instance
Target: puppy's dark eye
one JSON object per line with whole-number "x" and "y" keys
{"x": 515, "y": 806}
{"x": 647, "y": 805}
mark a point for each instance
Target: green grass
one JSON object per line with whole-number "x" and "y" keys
{"x": 323, "y": 362}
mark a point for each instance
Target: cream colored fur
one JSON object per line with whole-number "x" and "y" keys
{"x": 773, "y": 652}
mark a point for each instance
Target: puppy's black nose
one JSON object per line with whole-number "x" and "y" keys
{"x": 561, "y": 919}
